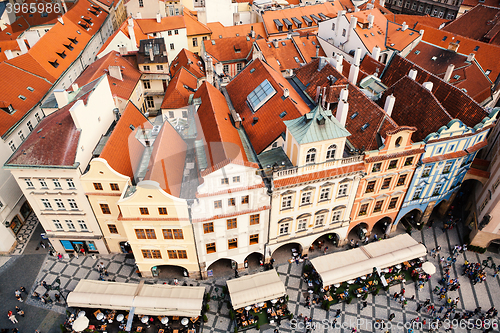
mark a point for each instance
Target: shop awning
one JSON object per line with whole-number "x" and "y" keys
{"x": 347, "y": 265}
{"x": 256, "y": 288}
{"x": 155, "y": 300}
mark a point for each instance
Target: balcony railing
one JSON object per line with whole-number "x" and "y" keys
{"x": 293, "y": 171}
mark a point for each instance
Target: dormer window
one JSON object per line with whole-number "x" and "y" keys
{"x": 83, "y": 25}
{"x": 69, "y": 46}
{"x": 7, "y": 108}
{"x": 54, "y": 63}
{"x": 73, "y": 40}
{"x": 307, "y": 20}
{"x": 62, "y": 54}
{"x": 311, "y": 156}
{"x": 88, "y": 20}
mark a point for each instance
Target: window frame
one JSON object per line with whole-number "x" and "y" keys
{"x": 254, "y": 219}
{"x": 253, "y": 239}
{"x": 208, "y": 227}
{"x": 112, "y": 229}
{"x": 105, "y": 208}
{"x": 231, "y": 223}
{"x": 209, "y": 246}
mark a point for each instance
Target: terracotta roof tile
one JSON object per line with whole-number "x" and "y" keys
{"x": 88, "y": 14}
{"x": 308, "y": 45}
{"x": 122, "y": 151}
{"x": 269, "y": 125}
{"x": 139, "y": 35}
{"x": 11, "y": 32}
{"x": 176, "y": 95}
{"x": 222, "y": 140}
{"x": 8, "y": 45}
{"x": 229, "y": 49}
{"x": 148, "y": 26}
{"x": 12, "y": 89}
{"x": 318, "y": 175}
{"x": 188, "y": 60}
{"x": 456, "y": 103}
{"x": 413, "y": 20}
{"x": 220, "y": 31}
{"x": 121, "y": 88}
{"x": 285, "y": 53}
{"x": 194, "y": 27}
{"x": 371, "y": 66}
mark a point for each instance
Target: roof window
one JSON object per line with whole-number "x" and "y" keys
{"x": 54, "y": 63}
{"x": 456, "y": 77}
{"x": 323, "y": 16}
{"x": 213, "y": 42}
{"x": 365, "y": 126}
{"x": 132, "y": 127}
{"x": 283, "y": 114}
{"x": 22, "y": 97}
{"x": 69, "y": 46}
{"x": 279, "y": 25}
{"x": 434, "y": 58}
{"x": 417, "y": 52}
{"x": 307, "y": 20}
{"x": 283, "y": 43}
{"x": 354, "y": 115}
{"x": 476, "y": 48}
{"x": 252, "y": 70}
{"x": 73, "y": 40}
{"x": 315, "y": 18}
{"x": 62, "y": 54}
{"x": 297, "y": 22}
{"x": 260, "y": 95}
{"x": 296, "y": 59}
{"x": 287, "y": 23}
{"x": 488, "y": 71}
{"x": 30, "y": 88}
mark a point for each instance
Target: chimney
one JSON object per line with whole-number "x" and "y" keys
{"x": 357, "y": 56}
{"x": 369, "y": 6}
{"x": 421, "y": 32}
{"x": 22, "y": 45}
{"x": 404, "y": 26}
{"x": 317, "y": 51}
{"x": 321, "y": 63}
{"x": 428, "y": 85}
{"x": 252, "y": 33}
{"x": 449, "y": 71}
{"x": 131, "y": 33}
{"x": 116, "y": 111}
{"x": 318, "y": 93}
{"x": 275, "y": 43}
{"x": 209, "y": 70}
{"x": 356, "y": 9}
{"x": 337, "y": 62}
{"x": 382, "y": 3}
{"x": 412, "y": 74}
{"x": 152, "y": 56}
{"x": 371, "y": 18}
{"x": 389, "y": 104}
{"x": 470, "y": 57}
{"x": 115, "y": 72}
{"x": 353, "y": 74}
{"x": 74, "y": 86}
{"x": 158, "y": 18}
{"x": 453, "y": 46}
{"x": 344, "y": 93}
{"x": 286, "y": 92}
{"x": 62, "y": 97}
{"x": 342, "y": 109}
{"x": 8, "y": 54}
{"x": 376, "y": 53}
{"x": 60, "y": 19}
{"x": 138, "y": 15}
{"x": 123, "y": 50}
{"x": 354, "y": 22}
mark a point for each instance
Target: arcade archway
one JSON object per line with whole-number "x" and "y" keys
{"x": 283, "y": 253}
{"x": 222, "y": 267}
{"x": 169, "y": 272}
{"x": 252, "y": 261}
{"x": 358, "y": 232}
{"x": 382, "y": 226}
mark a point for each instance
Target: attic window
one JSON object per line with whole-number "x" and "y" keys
{"x": 30, "y": 88}
{"x": 417, "y": 52}
{"x": 88, "y": 20}
{"x": 69, "y": 46}
{"x": 371, "y": 33}
{"x": 488, "y": 71}
{"x": 62, "y": 54}
{"x": 9, "y": 109}
{"x": 411, "y": 33}
{"x": 323, "y": 16}
{"x": 379, "y": 32}
{"x": 22, "y": 97}
{"x": 458, "y": 42}
{"x": 283, "y": 114}
{"x": 456, "y": 77}
{"x": 354, "y": 115}
{"x": 213, "y": 42}
{"x": 313, "y": 43}
{"x": 365, "y": 126}
{"x": 297, "y": 22}
{"x": 54, "y": 63}
{"x": 392, "y": 44}
{"x": 73, "y": 40}
{"x": 269, "y": 45}
{"x": 279, "y": 25}
{"x": 132, "y": 127}
{"x": 434, "y": 58}
{"x": 476, "y": 48}
{"x": 84, "y": 25}
{"x": 366, "y": 35}
{"x": 237, "y": 49}
{"x": 260, "y": 95}
{"x": 279, "y": 63}
{"x": 252, "y": 70}
{"x": 307, "y": 20}
{"x": 315, "y": 18}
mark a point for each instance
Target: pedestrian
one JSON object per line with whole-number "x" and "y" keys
{"x": 13, "y": 319}
{"x": 419, "y": 306}
{"x": 22, "y": 289}
{"x": 58, "y": 297}
{"x": 365, "y": 304}
{"x": 17, "y": 293}
{"x": 391, "y": 316}
{"x": 326, "y": 249}
{"x": 82, "y": 250}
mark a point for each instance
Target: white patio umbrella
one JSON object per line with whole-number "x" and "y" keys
{"x": 80, "y": 323}
{"x": 429, "y": 267}
{"x": 164, "y": 320}
{"x": 248, "y": 308}
{"x": 144, "y": 319}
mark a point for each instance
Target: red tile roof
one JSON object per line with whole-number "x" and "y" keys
{"x": 194, "y": 27}
{"x": 458, "y": 104}
{"x": 148, "y": 26}
{"x": 121, "y": 88}
{"x": 367, "y": 111}
{"x": 166, "y": 165}
{"x": 7, "y": 45}
{"x": 472, "y": 3}
{"x": 229, "y": 49}
{"x": 39, "y": 149}
{"x": 222, "y": 140}
{"x": 188, "y": 60}
{"x": 35, "y": 18}
{"x": 413, "y": 20}
{"x": 176, "y": 95}
{"x": 318, "y": 175}
{"x": 139, "y": 35}
{"x": 269, "y": 125}
{"x": 220, "y": 31}
{"x": 308, "y": 45}
{"x": 122, "y": 151}
{"x": 84, "y": 10}
{"x": 13, "y": 88}
{"x": 11, "y": 32}
{"x": 371, "y": 66}
{"x": 283, "y": 56}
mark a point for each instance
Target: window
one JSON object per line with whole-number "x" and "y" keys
{"x": 224, "y": 181}
{"x": 72, "y": 204}
{"x": 208, "y": 227}
{"x": 254, "y": 239}
{"x": 151, "y": 254}
{"x": 427, "y": 171}
{"x": 162, "y": 210}
{"x": 437, "y": 189}
{"x": 178, "y": 234}
{"x": 311, "y": 155}
{"x": 330, "y": 153}
{"x": 59, "y": 203}
{"x": 195, "y": 42}
{"x": 168, "y": 234}
{"x": 254, "y": 219}
{"x": 378, "y": 206}
{"x": 260, "y": 95}
{"x": 57, "y": 184}
{"x": 184, "y": 114}
{"x": 231, "y": 202}
{"x": 46, "y": 204}
{"x": 170, "y": 32}
{"x": 114, "y": 187}
{"x": 70, "y": 225}
{"x": 306, "y": 198}
{"x": 324, "y": 194}
{"x": 428, "y": 10}
{"x": 236, "y": 179}
{"x": 377, "y": 167}
{"x": 343, "y": 190}
{"x": 301, "y": 224}
{"x": 439, "y": 150}
{"x": 30, "y": 127}
{"x": 159, "y": 67}
{"x": 286, "y": 202}
{"x": 320, "y": 220}
{"x": 363, "y": 209}
{"x": 434, "y": 12}
{"x": 150, "y": 233}
{"x": 370, "y": 187}
{"x": 409, "y": 161}
{"x": 70, "y": 183}
{"x": 401, "y": 180}
{"x": 244, "y": 199}
{"x": 393, "y": 164}
{"x": 145, "y": 68}
{"x": 58, "y": 225}
{"x": 452, "y": 147}
{"x": 147, "y": 84}
{"x": 218, "y": 204}
{"x": 386, "y": 183}
{"x": 239, "y": 66}
{"x": 82, "y": 225}
{"x": 12, "y": 145}
{"x": 231, "y": 224}
{"x": 112, "y": 229}
{"x": 171, "y": 114}
{"x": 204, "y": 38}
{"x": 144, "y": 210}
{"x": 29, "y": 183}
{"x": 43, "y": 184}
{"x": 417, "y": 193}
{"x": 141, "y": 3}
{"x": 21, "y": 135}
{"x": 172, "y": 47}
{"x": 98, "y": 186}
{"x": 392, "y": 203}
{"x": 413, "y": 6}
{"x": 447, "y": 167}
{"x": 420, "y": 8}
{"x": 407, "y": 4}
{"x": 232, "y": 243}
{"x": 140, "y": 234}
{"x": 283, "y": 228}
{"x": 336, "y": 215}
{"x": 210, "y": 248}
{"x": 176, "y": 32}
{"x": 105, "y": 208}
{"x": 225, "y": 69}
{"x": 343, "y": 32}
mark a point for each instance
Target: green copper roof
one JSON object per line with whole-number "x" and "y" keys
{"x": 317, "y": 125}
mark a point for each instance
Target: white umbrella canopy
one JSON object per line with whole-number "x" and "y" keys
{"x": 429, "y": 267}
{"x": 80, "y": 323}
{"x": 164, "y": 320}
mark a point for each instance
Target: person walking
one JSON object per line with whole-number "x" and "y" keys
{"x": 12, "y": 318}
{"x": 19, "y": 311}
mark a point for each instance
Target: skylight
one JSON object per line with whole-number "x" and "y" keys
{"x": 456, "y": 77}
{"x": 444, "y": 38}
{"x": 22, "y": 97}
{"x": 476, "y": 48}
{"x": 296, "y": 59}
{"x": 417, "y": 52}
{"x": 365, "y": 126}
{"x": 260, "y": 95}
{"x": 282, "y": 114}
{"x": 488, "y": 71}
{"x": 354, "y": 115}
{"x": 30, "y": 88}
